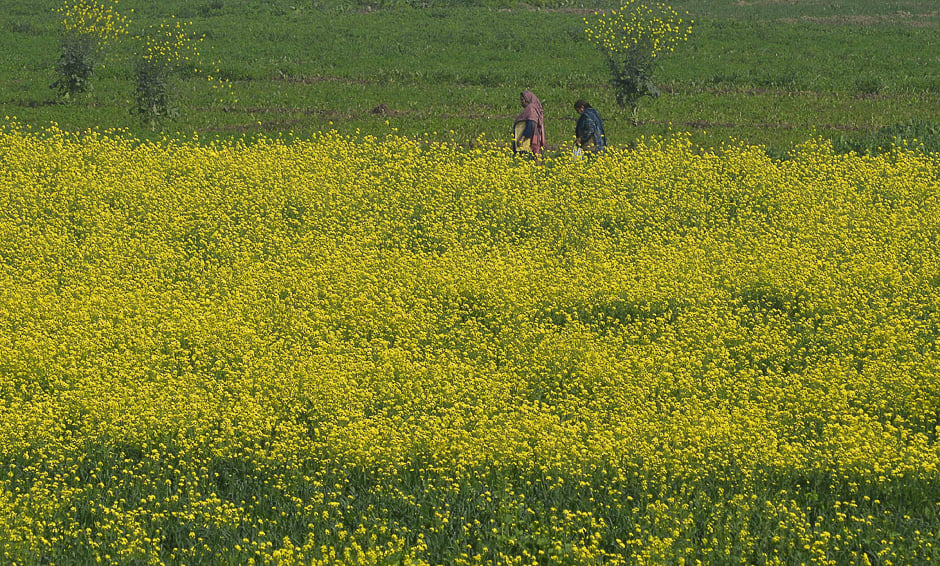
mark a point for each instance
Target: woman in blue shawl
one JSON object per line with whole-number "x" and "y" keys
{"x": 590, "y": 128}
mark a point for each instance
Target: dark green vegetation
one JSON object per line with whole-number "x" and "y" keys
{"x": 769, "y": 73}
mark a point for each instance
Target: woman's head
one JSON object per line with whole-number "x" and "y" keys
{"x": 581, "y": 105}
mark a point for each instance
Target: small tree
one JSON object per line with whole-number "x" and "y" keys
{"x": 153, "y": 100}
{"x": 167, "y": 49}
{"x": 88, "y": 28}
{"x": 633, "y": 39}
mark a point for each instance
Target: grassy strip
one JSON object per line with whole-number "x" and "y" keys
{"x": 755, "y": 71}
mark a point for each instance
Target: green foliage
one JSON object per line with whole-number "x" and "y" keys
{"x": 632, "y": 39}
{"x": 913, "y": 133}
{"x": 631, "y": 80}
{"x": 88, "y": 28}
{"x": 76, "y": 65}
{"x": 766, "y": 73}
{"x": 153, "y": 100}
{"x": 166, "y": 50}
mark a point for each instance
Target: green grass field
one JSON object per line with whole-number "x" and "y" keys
{"x": 768, "y": 73}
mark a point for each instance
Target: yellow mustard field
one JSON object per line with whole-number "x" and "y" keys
{"x": 382, "y": 351}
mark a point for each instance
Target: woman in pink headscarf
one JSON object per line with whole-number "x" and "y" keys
{"x": 529, "y": 128}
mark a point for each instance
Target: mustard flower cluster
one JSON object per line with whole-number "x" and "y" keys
{"x": 632, "y": 39}
{"x": 381, "y": 351}
{"x": 166, "y": 49}
{"x": 170, "y": 44}
{"x": 654, "y": 29}
{"x": 89, "y": 28}
{"x": 89, "y": 18}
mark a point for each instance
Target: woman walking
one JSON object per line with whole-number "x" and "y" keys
{"x": 529, "y": 127}
{"x": 589, "y": 130}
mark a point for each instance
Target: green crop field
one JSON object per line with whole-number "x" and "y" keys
{"x": 768, "y": 73}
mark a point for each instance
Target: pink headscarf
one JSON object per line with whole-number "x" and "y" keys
{"x": 533, "y": 111}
